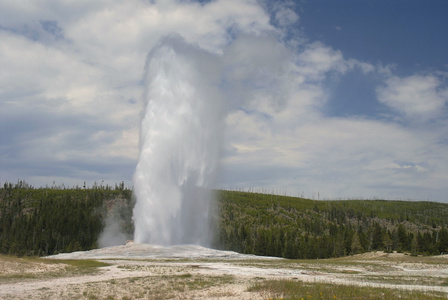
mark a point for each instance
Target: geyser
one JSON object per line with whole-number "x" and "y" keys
{"x": 180, "y": 141}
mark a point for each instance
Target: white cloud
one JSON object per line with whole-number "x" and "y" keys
{"x": 344, "y": 157}
{"x": 65, "y": 63}
{"x": 294, "y": 148}
{"x": 286, "y": 17}
{"x": 418, "y": 97}
{"x": 71, "y": 90}
{"x": 317, "y": 60}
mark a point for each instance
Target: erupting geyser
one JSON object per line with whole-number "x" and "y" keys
{"x": 180, "y": 141}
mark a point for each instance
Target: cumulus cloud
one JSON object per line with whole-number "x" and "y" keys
{"x": 417, "y": 97}
{"x": 71, "y": 90}
{"x": 317, "y": 60}
{"x": 286, "y": 17}
{"x": 335, "y": 156}
{"x": 78, "y": 67}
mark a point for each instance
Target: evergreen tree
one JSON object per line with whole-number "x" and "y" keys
{"x": 356, "y": 244}
{"x": 442, "y": 243}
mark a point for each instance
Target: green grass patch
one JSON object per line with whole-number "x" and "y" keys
{"x": 80, "y": 263}
{"x": 14, "y": 268}
{"x": 156, "y": 287}
{"x": 290, "y": 289}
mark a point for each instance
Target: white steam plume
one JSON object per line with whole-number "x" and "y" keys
{"x": 180, "y": 142}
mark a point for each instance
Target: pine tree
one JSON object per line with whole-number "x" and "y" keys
{"x": 443, "y": 241}
{"x": 356, "y": 244}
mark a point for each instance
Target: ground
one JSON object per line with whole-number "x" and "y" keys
{"x": 137, "y": 271}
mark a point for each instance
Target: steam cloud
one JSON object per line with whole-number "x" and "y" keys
{"x": 180, "y": 142}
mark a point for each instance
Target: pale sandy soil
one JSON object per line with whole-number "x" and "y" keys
{"x": 188, "y": 272}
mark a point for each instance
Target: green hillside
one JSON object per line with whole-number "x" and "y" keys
{"x": 302, "y": 228}
{"x": 45, "y": 221}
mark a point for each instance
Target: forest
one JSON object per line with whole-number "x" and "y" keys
{"x": 301, "y": 228}
{"x": 45, "y": 221}
{"x": 50, "y": 220}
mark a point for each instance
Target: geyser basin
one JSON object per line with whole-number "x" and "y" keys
{"x": 180, "y": 141}
{"x": 145, "y": 251}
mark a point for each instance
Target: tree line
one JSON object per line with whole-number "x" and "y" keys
{"x": 45, "y": 221}
{"x": 51, "y": 220}
{"x": 301, "y": 228}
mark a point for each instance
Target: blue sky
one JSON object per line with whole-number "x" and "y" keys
{"x": 408, "y": 35}
{"x": 340, "y": 99}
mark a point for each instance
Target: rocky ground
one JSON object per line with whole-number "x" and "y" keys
{"x": 137, "y": 271}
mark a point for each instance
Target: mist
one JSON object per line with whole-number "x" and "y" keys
{"x": 117, "y": 224}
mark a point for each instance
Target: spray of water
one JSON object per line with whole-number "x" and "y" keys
{"x": 180, "y": 141}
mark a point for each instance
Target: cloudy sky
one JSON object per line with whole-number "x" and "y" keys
{"x": 326, "y": 99}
